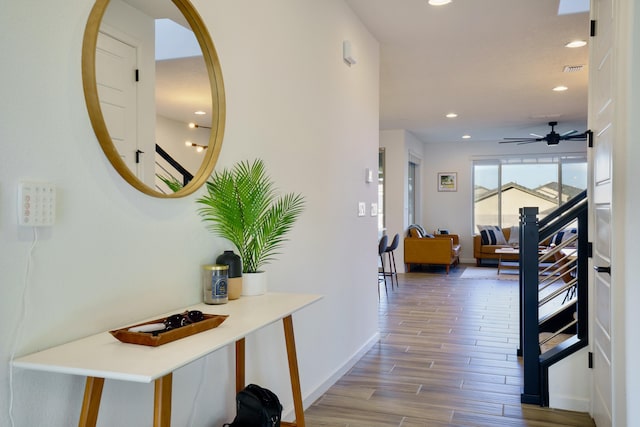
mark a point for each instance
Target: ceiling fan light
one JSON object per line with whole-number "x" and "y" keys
{"x": 560, "y": 88}
{"x": 575, "y": 43}
{"x": 439, "y": 2}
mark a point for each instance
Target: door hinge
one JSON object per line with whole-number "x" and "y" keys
{"x": 137, "y": 75}
{"x": 592, "y": 30}
{"x": 590, "y": 138}
{"x": 590, "y": 360}
{"x": 589, "y": 249}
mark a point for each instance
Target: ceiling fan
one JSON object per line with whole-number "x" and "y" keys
{"x": 552, "y": 138}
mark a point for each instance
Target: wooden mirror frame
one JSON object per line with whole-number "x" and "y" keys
{"x": 97, "y": 119}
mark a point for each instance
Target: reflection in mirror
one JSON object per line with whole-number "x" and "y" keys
{"x": 155, "y": 72}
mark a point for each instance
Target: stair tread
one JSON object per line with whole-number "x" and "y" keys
{"x": 553, "y": 341}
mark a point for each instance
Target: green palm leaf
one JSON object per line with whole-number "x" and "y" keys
{"x": 241, "y": 206}
{"x": 171, "y": 181}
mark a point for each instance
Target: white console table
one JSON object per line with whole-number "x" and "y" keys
{"x": 101, "y": 356}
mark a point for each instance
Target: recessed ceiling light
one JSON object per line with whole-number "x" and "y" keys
{"x": 200, "y": 113}
{"x": 560, "y": 88}
{"x": 439, "y": 2}
{"x": 466, "y": 136}
{"x": 451, "y": 116}
{"x": 576, "y": 43}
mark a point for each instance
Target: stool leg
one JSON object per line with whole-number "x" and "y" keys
{"x": 390, "y": 269}
{"x": 395, "y": 269}
{"x": 384, "y": 276}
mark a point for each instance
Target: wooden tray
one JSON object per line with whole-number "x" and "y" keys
{"x": 155, "y": 339}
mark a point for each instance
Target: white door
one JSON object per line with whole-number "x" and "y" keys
{"x": 116, "y": 64}
{"x": 601, "y": 122}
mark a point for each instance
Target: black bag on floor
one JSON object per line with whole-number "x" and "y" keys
{"x": 257, "y": 407}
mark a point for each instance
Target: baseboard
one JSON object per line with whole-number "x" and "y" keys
{"x": 569, "y": 403}
{"x": 311, "y": 396}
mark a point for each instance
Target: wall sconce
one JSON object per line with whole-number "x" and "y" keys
{"x": 199, "y": 148}
{"x": 195, "y": 125}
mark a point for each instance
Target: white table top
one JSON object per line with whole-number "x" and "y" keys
{"x": 507, "y": 250}
{"x": 103, "y": 356}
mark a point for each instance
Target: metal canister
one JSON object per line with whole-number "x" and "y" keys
{"x": 214, "y": 283}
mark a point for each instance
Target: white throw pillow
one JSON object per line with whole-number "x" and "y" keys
{"x": 563, "y": 235}
{"x": 492, "y": 235}
{"x": 514, "y": 235}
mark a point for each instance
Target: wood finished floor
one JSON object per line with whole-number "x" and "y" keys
{"x": 446, "y": 357}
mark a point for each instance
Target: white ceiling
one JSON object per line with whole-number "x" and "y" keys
{"x": 494, "y": 62}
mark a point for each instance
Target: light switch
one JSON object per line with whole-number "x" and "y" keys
{"x": 374, "y": 209}
{"x": 362, "y": 208}
{"x": 368, "y": 175}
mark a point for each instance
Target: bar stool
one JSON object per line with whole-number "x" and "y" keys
{"x": 382, "y": 247}
{"x": 393, "y": 272}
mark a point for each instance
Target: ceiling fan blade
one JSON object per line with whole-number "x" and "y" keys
{"x": 552, "y": 138}
{"x": 578, "y": 137}
{"x": 571, "y": 132}
{"x": 519, "y": 140}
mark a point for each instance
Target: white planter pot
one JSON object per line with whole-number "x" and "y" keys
{"x": 254, "y": 283}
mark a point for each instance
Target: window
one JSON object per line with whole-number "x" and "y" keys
{"x": 411, "y": 196}
{"x": 503, "y": 186}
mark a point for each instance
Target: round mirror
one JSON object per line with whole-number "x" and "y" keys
{"x": 154, "y": 92}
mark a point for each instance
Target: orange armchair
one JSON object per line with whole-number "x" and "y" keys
{"x": 441, "y": 249}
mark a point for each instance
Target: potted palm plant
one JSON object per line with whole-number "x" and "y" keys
{"x": 241, "y": 205}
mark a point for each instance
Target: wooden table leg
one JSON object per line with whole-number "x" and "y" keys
{"x": 91, "y": 402}
{"x": 162, "y": 401}
{"x": 293, "y": 371}
{"x": 240, "y": 365}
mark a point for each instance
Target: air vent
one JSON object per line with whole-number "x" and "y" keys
{"x": 572, "y": 68}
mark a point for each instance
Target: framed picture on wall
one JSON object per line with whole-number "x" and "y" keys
{"x": 447, "y": 181}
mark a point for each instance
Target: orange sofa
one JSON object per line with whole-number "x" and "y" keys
{"x": 481, "y": 252}
{"x": 440, "y": 249}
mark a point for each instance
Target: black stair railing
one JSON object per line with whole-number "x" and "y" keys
{"x": 170, "y": 170}
{"x": 553, "y": 291}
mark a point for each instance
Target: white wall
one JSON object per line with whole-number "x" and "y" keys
{"x": 400, "y": 146}
{"x": 453, "y": 210}
{"x": 115, "y": 255}
{"x": 570, "y": 383}
{"x": 172, "y": 134}
{"x": 450, "y": 210}
{"x": 395, "y": 194}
